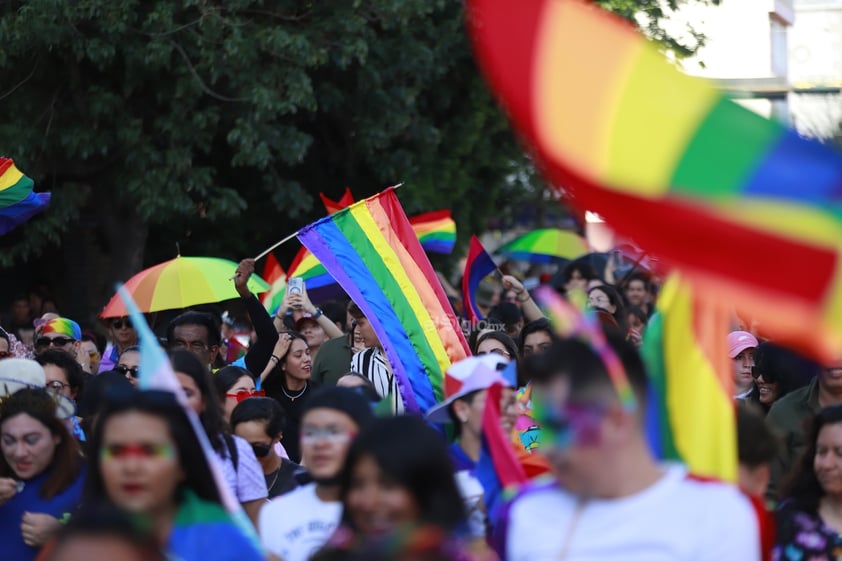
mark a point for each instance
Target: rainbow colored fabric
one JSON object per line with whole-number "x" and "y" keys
{"x": 372, "y": 251}
{"x": 691, "y": 414}
{"x": 274, "y": 274}
{"x": 63, "y": 326}
{"x": 346, "y": 200}
{"x": 435, "y": 230}
{"x": 18, "y": 203}
{"x": 478, "y": 265}
{"x": 204, "y": 531}
{"x": 728, "y": 197}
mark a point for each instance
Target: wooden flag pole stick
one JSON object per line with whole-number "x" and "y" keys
{"x": 267, "y": 251}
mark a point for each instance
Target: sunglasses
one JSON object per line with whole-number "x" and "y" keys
{"x": 767, "y": 376}
{"x": 123, "y": 369}
{"x": 119, "y": 323}
{"x": 261, "y": 450}
{"x": 56, "y": 341}
{"x": 245, "y": 394}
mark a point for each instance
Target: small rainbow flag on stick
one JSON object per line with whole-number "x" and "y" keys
{"x": 18, "y": 203}
{"x": 729, "y": 198}
{"x": 372, "y": 251}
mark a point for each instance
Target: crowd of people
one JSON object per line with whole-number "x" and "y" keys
{"x": 310, "y": 434}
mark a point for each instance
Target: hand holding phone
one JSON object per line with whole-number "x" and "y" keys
{"x": 295, "y": 287}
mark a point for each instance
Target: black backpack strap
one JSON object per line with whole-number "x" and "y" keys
{"x": 232, "y": 450}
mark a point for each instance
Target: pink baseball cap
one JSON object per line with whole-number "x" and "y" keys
{"x": 469, "y": 375}
{"x": 738, "y": 341}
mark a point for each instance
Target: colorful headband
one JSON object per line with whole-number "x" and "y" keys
{"x": 63, "y": 326}
{"x": 585, "y": 326}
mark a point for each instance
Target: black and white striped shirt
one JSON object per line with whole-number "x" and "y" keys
{"x": 373, "y": 364}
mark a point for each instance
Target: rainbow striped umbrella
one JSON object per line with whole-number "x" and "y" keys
{"x": 547, "y": 245}
{"x": 180, "y": 283}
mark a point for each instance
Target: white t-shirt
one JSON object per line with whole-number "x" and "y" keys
{"x": 676, "y": 519}
{"x": 296, "y": 525}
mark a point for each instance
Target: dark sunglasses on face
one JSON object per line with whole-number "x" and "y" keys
{"x": 245, "y": 394}
{"x": 768, "y": 378}
{"x": 261, "y": 450}
{"x": 123, "y": 369}
{"x": 56, "y": 341}
{"x": 119, "y": 323}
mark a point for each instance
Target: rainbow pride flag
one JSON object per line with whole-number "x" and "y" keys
{"x": 372, "y": 251}
{"x": 435, "y": 230}
{"x": 691, "y": 415}
{"x": 18, "y": 203}
{"x": 733, "y": 200}
{"x": 274, "y": 274}
{"x": 156, "y": 373}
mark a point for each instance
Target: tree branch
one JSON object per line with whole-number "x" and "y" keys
{"x": 201, "y": 82}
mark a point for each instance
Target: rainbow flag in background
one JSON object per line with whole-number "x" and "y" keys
{"x": 18, "y": 203}
{"x": 733, "y": 200}
{"x": 478, "y": 265}
{"x": 371, "y": 250}
{"x": 274, "y": 274}
{"x": 346, "y": 200}
{"x": 156, "y": 373}
{"x": 691, "y": 415}
{"x": 435, "y": 230}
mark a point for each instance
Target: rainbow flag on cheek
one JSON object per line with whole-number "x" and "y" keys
{"x": 731, "y": 199}
{"x": 372, "y": 251}
{"x": 18, "y": 203}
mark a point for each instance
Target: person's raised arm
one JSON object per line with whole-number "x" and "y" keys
{"x": 331, "y": 330}
{"x": 261, "y": 350}
{"x": 530, "y": 309}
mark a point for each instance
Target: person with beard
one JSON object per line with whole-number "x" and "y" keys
{"x": 297, "y": 524}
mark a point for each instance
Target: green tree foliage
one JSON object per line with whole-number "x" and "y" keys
{"x": 214, "y": 124}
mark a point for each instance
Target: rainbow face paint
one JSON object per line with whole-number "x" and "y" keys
{"x": 573, "y": 424}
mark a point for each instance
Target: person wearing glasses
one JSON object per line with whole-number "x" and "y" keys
{"x": 60, "y": 333}
{"x": 148, "y": 461}
{"x": 197, "y": 332}
{"x": 41, "y": 472}
{"x": 239, "y": 464}
{"x": 123, "y": 335}
{"x": 297, "y": 524}
{"x": 260, "y": 422}
{"x": 64, "y": 376}
{"x": 233, "y": 385}
{"x": 129, "y": 364}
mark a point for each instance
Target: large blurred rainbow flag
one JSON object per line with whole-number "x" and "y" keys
{"x": 741, "y": 205}
{"x": 372, "y": 251}
{"x": 18, "y": 203}
{"x": 691, "y": 415}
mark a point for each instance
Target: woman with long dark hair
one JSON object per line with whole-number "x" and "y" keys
{"x": 239, "y": 465}
{"x": 289, "y": 383}
{"x": 149, "y": 462}
{"x": 810, "y": 515}
{"x": 41, "y": 473}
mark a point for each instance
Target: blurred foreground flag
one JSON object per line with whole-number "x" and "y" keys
{"x": 741, "y": 205}
{"x": 690, "y": 413}
{"x": 18, "y": 203}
